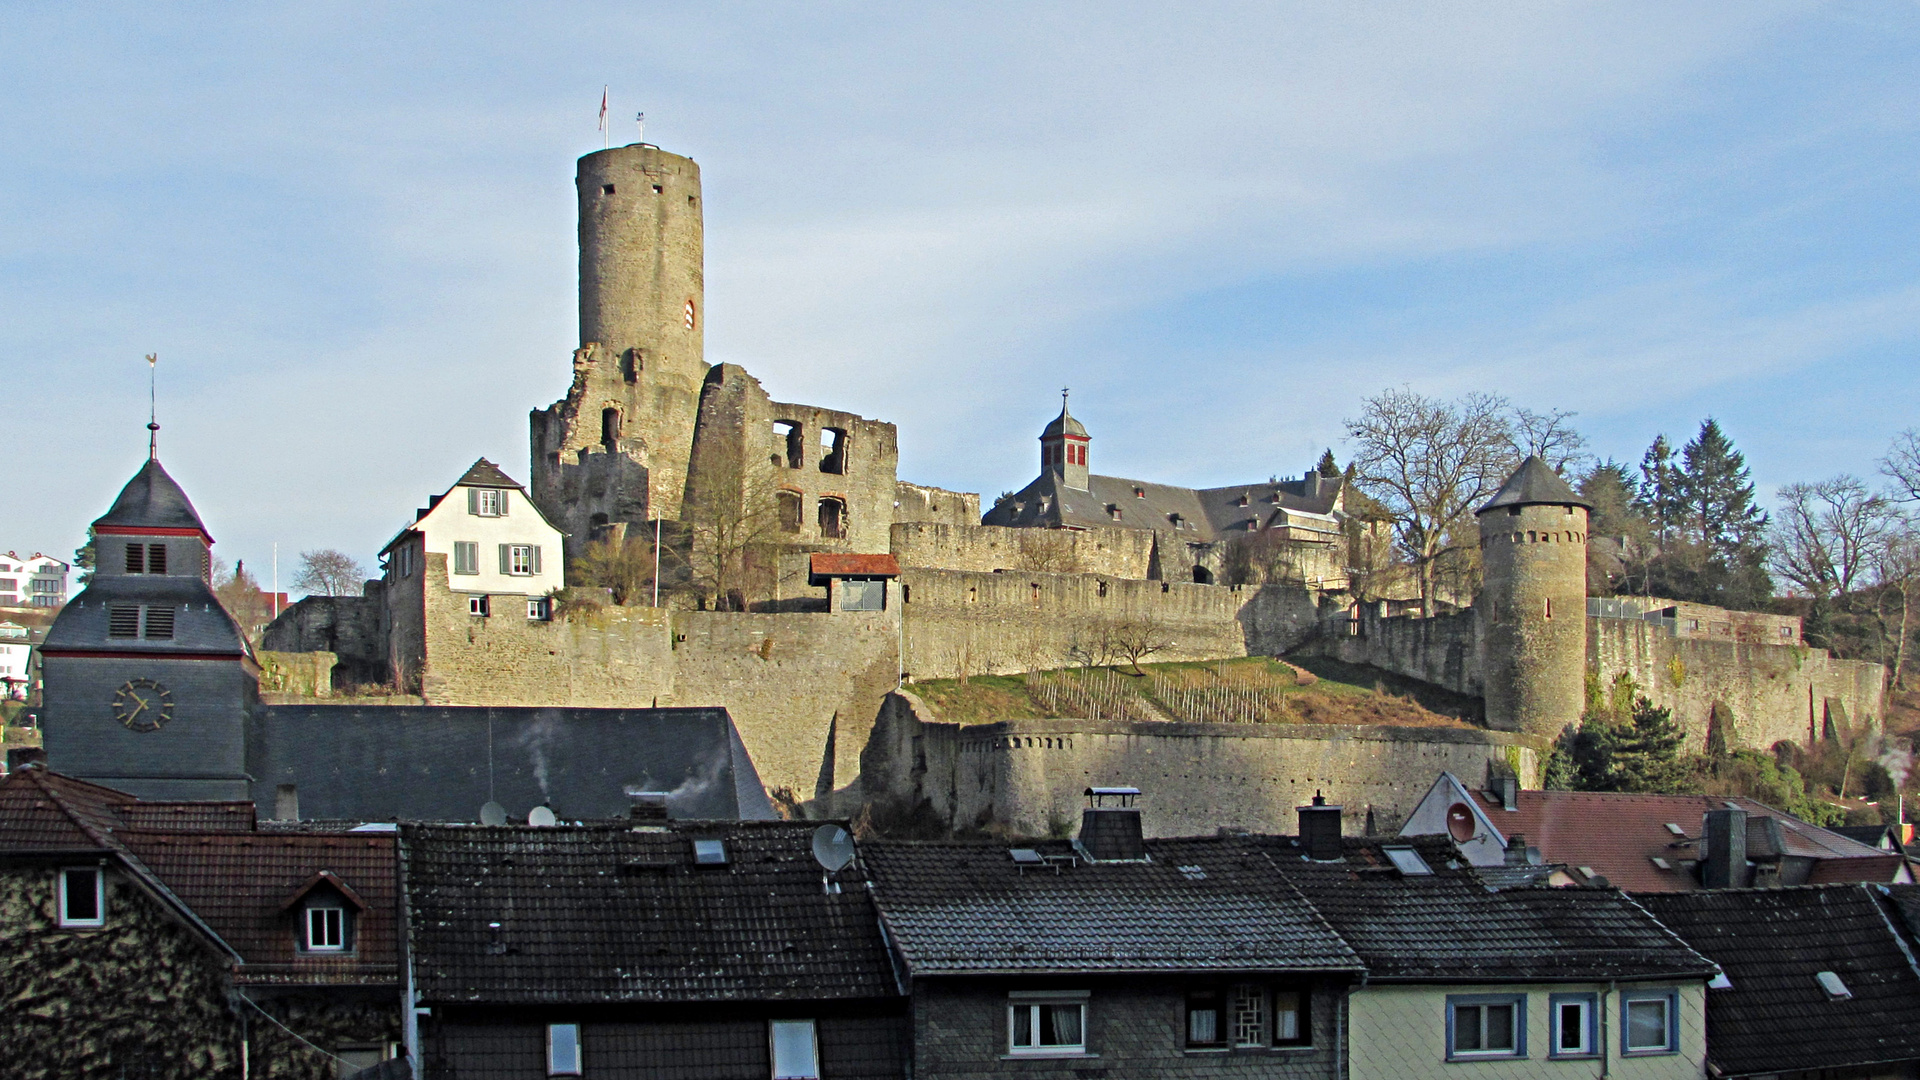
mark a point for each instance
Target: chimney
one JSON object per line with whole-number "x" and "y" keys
{"x": 1507, "y": 790}
{"x": 647, "y": 808}
{"x": 1320, "y": 830}
{"x": 1725, "y": 864}
{"x": 1310, "y": 484}
{"x": 19, "y": 756}
{"x": 1516, "y": 853}
{"x": 286, "y": 803}
{"x": 1112, "y": 833}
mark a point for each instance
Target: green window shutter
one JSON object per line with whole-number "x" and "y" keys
{"x": 506, "y": 558}
{"x": 505, "y": 501}
{"x": 536, "y": 558}
{"x": 473, "y": 501}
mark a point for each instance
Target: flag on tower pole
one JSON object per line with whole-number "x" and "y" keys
{"x": 605, "y": 139}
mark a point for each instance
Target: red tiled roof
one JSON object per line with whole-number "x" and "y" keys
{"x": 1619, "y": 835}
{"x": 44, "y": 811}
{"x": 239, "y": 883}
{"x": 824, "y": 564}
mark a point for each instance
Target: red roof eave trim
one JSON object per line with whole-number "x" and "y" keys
{"x": 140, "y": 530}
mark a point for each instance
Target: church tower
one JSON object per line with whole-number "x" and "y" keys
{"x": 1063, "y": 449}
{"x": 1532, "y": 606}
{"x": 148, "y": 682}
{"x": 615, "y": 450}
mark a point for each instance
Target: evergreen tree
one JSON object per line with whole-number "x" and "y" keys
{"x": 83, "y": 557}
{"x": 1641, "y": 753}
{"x": 1327, "y": 467}
{"x": 1710, "y": 532}
{"x": 1716, "y": 489}
{"x": 1659, "y": 496}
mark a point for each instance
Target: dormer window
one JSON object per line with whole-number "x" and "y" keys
{"x": 1139, "y": 493}
{"x": 327, "y": 911}
{"x": 326, "y": 928}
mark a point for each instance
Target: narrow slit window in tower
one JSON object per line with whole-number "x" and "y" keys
{"x": 609, "y": 427}
{"x": 1549, "y": 607}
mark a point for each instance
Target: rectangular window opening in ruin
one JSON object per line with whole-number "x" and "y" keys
{"x": 657, "y": 189}
{"x": 833, "y": 519}
{"x": 833, "y": 450}
{"x": 790, "y": 442}
{"x": 606, "y": 189}
{"x": 632, "y": 363}
{"x": 790, "y": 508}
{"x": 610, "y": 427}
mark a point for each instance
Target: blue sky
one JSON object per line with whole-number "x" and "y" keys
{"x": 348, "y": 230}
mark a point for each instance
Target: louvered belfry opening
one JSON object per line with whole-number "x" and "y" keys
{"x": 1110, "y": 827}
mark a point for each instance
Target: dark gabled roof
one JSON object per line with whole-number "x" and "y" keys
{"x": 151, "y": 500}
{"x": 201, "y": 626}
{"x": 1196, "y": 515}
{"x": 485, "y": 474}
{"x": 1450, "y": 926}
{"x": 604, "y": 913}
{"x": 1532, "y": 484}
{"x": 1772, "y": 943}
{"x": 955, "y": 908}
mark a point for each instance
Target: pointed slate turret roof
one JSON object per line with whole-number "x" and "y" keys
{"x": 151, "y": 500}
{"x": 1064, "y": 424}
{"x": 1534, "y": 483}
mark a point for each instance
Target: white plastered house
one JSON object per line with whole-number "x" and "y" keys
{"x": 500, "y": 550}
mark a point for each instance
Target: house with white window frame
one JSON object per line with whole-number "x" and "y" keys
{"x": 478, "y": 557}
{"x": 34, "y": 580}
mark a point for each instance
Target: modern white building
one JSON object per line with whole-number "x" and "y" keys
{"x": 16, "y": 653}
{"x": 32, "y": 581}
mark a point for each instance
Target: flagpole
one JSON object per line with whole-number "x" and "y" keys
{"x": 606, "y": 136}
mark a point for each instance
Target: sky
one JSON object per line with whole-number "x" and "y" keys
{"x": 348, "y": 232}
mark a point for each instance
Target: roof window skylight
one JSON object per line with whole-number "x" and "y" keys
{"x": 1026, "y": 856}
{"x": 1408, "y": 861}
{"x": 710, "y": 852}
{"x": 1830, "y": 982}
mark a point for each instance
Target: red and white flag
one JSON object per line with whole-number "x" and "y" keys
{"x": 603, "y": 108}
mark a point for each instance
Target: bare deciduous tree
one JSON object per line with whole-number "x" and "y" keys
{"x": 1045, "y": 551}
{"x": 1902, "y": 464}
{"x": 1431, "y": 463}
{"x": 1898, "y": 570}
{"x": 619, "y": 564}
{"x": 1828, "y": 534}
{"x": 327, "y": 572}
{"x": 1549, "y": 436}
{"x": 734, "y": 514}
{"x": 240, "y": 594}
{"x": 1136, "y": 638}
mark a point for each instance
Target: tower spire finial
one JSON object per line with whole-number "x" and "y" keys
{"x": 153, "y": 424}
{"x": 1063, "y": 399}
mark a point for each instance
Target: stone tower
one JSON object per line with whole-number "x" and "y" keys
{"x": 615, "y": 450}
{"x": 148, "y": 681}
{"x": 1533, "y": 606}
{"x": 1063, "y": 449}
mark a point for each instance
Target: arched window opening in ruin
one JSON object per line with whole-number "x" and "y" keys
{"x": 788, "y": 443}
{"x": 1202, "y": 575}
{"x": 789, "y": 504}
{"x": 609, "y": 427}
{"x": 833, "y": 519}
{"x": 833, "y": 450}
{"x": 632, "y": 363}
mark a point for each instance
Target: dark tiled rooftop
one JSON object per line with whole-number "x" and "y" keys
{"x": 1197, "y": 905}
{"x": 602, "y": 913}
{"x": 1772, "y": 943}
{"x": 151, "y": 500}
{"x": 200, "y": 625}
{"x": 1532, "y": 484}
{"x": 485, "y": 473}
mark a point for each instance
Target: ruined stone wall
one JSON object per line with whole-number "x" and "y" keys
{"x": 802, "y": 688}
{"x": 1775, "y": 691}
{"x": 349, "y": 627}
{"x": 918, "y": 502}
{"x": 140, "y": 996}
{"x": 1440, "y": 650}
{"x": 966, "y": 623}
{"x": 1027, "y": 776}
{"x": 1120, "y": 553}
{"x": 405, "y": 601}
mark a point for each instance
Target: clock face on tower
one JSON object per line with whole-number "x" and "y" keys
{"x": 142, "y": 705}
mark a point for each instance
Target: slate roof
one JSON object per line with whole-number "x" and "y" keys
{"x": 1619, "y": 835}
{"x": 151, "y": 500}
{"x": 1532, "y": 484}
{"x": 604, "y": 913}
{"x": 239, "y": 884}
{"x": 485, "y": 473}
{"x": 1196, "y": 515}
{"x": 201, "y": 626}
{"x": 1450, "y": 926}
{"x": 1771, "y": 943}
{"x": 1064, "y": 424}
{"x": 958, "y": 908}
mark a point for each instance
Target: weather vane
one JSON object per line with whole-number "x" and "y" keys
{"x": 153, "y": 423}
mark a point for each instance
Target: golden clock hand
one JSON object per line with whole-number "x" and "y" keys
{"x": 137, "y": 708}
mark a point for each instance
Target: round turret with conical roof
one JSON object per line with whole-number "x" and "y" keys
{"x": 1532, "y": 606}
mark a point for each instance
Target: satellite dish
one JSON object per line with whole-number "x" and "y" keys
{"x": 541, "y": 816}
{"x": 493, "y": 814}
{"x": 832, "y": 847}
{"x": 1460, "y": 823}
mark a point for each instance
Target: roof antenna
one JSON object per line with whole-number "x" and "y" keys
{"x": 153, "y": 426}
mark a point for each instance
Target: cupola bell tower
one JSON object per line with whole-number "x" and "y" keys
{"x": 1063, "y": 449}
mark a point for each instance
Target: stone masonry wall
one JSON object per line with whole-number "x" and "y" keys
{"x": 1441, "y": 650}
{"x": 1775, "y": 691}
{"x": 347, "y": 626}
{"x": 1027, "y": 776}
{"x": 960, "y": 622}
{"x": 918, "y": 502}
{"x": 1121, "y": 553}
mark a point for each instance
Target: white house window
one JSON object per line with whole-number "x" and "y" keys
{"x": 539, "y": 608}
{"x": 1206, "y": 1027}
{"x": 466, "y": 557}
{"x": 1292, "y": 1021}
{"x": 83, "y": 900}
{"x": 326, "y": 929}
{"x": 796, "y": 1052}
{"x": 477, "y": 605}
{"x": 563, "y": 1049}
{"x": 1057, "y": 1026}
{"x": 1649, "y": 1023}
{"x": 1486, "y": 1026}
{"x": 486, "y": 502}
{"x": 519, "y": 559}
{"x": 1573, "y": 1025}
